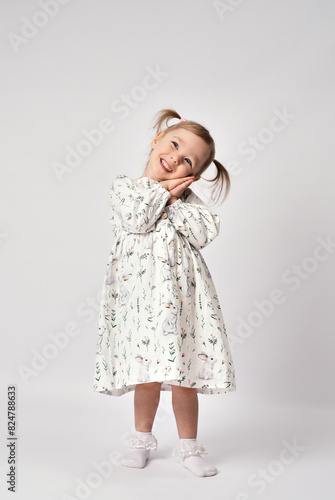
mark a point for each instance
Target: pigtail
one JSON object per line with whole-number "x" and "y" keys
{"x": 222, "y": 176}
{"x": 164, "y": 115}
{"x": 221, "y": 180}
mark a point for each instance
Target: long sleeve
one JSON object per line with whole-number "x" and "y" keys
{"x": 192, "y": 218}
{"x": 137, "y": 206}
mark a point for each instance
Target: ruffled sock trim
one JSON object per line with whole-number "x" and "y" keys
{"x": 187, "y": 447}
{"x": 144, "y": 440}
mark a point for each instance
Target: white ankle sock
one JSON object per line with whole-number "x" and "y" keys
{"x": 190, "y": 451}
{"x": 135, "y": 458}
{"x": 141, "y": 443}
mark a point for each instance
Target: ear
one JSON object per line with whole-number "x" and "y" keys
{"x": 203, "y": 356}
{"x": 157, "y": 138}
{"x": 139, "y": 359}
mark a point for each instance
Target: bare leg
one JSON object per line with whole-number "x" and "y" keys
{"x": 186, "y": 408}
{"x": 146, "y": 400}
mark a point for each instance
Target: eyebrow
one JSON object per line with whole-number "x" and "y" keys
{"x": 180, "y": 140}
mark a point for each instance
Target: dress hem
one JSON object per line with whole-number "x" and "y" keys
{"x": 166, "y": 386}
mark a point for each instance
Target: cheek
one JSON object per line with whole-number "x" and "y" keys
{"x": 186, "y": 170}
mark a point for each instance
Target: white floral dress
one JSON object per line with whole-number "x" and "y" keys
{"x": 160, "y": 318}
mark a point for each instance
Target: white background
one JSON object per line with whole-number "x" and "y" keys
{"x": 232, "y": 66}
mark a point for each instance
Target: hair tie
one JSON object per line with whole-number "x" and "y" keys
{"x": 182, "y": 120}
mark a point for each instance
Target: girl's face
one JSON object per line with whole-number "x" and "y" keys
{"x": 176, "y": 154}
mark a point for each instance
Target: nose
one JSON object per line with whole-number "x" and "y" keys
{"x": 174, "y": 159}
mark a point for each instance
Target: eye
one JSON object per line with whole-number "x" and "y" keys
{"x": 176, "y": 146}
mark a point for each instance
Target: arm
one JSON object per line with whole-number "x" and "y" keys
{"x": 194, "y": 220}
{"x": 137, "y": 206}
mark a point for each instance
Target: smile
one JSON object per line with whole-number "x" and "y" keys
{"x": 166, "y": 166}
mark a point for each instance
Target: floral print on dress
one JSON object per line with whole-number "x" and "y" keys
{"x": 160, "y": 318}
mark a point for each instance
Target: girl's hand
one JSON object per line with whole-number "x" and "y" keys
{"x": 177, "y": 186}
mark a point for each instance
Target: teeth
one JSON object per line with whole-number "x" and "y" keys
{"x": 166, "y": 166}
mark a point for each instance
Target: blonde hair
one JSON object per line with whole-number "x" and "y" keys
{"x": 222, "y": 178}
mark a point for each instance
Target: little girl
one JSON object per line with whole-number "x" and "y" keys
{"x": 160, "y": 325}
